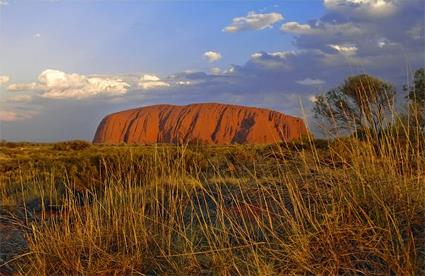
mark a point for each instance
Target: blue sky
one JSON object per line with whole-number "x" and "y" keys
{"x": 66, "y": 64}
{"x": 110, "y": 37}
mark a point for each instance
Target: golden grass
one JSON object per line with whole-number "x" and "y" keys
{"x": 357, "y": 207}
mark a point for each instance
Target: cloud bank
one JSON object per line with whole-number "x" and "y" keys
{"x": 56, "y": 84}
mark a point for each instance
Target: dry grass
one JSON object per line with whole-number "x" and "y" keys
{"x": 357, "y": 207}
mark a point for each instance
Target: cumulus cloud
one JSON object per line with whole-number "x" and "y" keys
{"x": 147, "y": 77}
{"x": 332, "y": 47}
{"x": 56, "y": 84}
{"x": 373, "y": 8}
{"x": 4, "y": 80}
{"x": 310, "y": 82}
{"x": 381, "y": 41}
{"x": 148, "y": 82}
{"x": 212, "y": 56}
{"x": 295, "y": 27}
{"x": 253, "y": 21}
{"x": 347, "y": 49}
{"x": 33, "y": 86}
{"x": 36, "y": 35}
{"x": 153, "y": 85}
{"x": 4, "y": 3}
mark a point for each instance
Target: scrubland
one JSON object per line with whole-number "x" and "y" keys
{"x": 353, "y": 204}
{"x": 344, "y": 206}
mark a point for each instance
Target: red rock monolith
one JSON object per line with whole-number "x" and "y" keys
{"x": 208, "y": 123}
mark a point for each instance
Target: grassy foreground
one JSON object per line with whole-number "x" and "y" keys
{"x": 349, "y": 206}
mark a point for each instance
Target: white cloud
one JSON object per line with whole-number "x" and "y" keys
{"x": 321, "y": 28}
{"x": 148, "y": 82}
{"x": 4, "y": 3}
{"x": 253, "y": 21}
{"x": 60, "y": 85}
{"x": 36, "y": 35}
{"x": 148, "y": 77}
{"x": 184, "y": 82}
{"x": 358, "y": 32}
{"x": 280, "y": 54}
{"x": 347, "y": 49}
{"x": 382, "y": 43}
{"x": 256, "y": 55}
{"x": 272, "y": 60}
{"x": 231, "y": 70}
{"x": 153, "y": 85}
{"x": 371, "y": 8}
{"x": 212, "y": 56}
{"x": 295, "y": 27}
{"x": 310, "y": 82}
{"x": 10, "y": 116}
{"x": 25, "y": 86}
{"x": 4, "y": 80}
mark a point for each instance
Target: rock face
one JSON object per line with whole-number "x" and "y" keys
{"x": 209, "y": 123}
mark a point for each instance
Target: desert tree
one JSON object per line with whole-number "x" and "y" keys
{"x": 416, "y": 97}
{"x": 416, "y": 90}
{"x": 361, "y": 103}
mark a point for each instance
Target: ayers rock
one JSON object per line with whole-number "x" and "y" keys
{"x": 208, "y": 123}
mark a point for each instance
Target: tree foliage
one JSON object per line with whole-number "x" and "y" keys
{"x": 362, "y": 102}
{"x": 416, "y": 90}
{"x": 416, "y": 96}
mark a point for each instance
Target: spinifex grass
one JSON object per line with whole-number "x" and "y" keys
{"x": 357, "y": 206}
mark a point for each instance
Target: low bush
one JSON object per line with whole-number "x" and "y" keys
{"x": 72, "y": 145}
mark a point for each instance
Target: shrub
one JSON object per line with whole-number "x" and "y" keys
{"x": 72, "y": 145}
